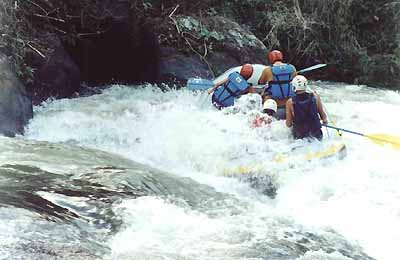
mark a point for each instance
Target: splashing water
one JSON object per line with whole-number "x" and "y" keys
{"x": 179, "y": 131}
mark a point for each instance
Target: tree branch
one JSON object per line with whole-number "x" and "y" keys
{"x": 36, "y": 50}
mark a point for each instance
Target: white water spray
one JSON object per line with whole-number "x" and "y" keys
{"x": 358, "y": 196}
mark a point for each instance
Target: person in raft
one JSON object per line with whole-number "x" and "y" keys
{"x": 225, "y": 92}
{"x": 305, "y": 111}
{"x": 279, "y": 77}
{"x": 269, "y": 113}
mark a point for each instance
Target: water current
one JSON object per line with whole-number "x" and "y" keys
{"x": 140, "y": 173}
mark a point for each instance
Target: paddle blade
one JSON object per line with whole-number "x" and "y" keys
{"x": 318, "y": 66}
{"x": 385, "y": 139}
{"x": 199, "y": 84}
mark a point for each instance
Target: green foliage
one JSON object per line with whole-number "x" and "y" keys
{"x": 343, "y": 32}
{"x": 208, "y": 35}
{"x": 381, "y": 70}
{"x": 348, "y": 33}
{"x": 147, "y": 5}
{"x": 26, "y": 73}
{"x": 23, "y": 24}
{"x": 16, "y": 38}
{"x": 397, "y": 55}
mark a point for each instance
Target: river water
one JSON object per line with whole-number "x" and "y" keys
{"x": 138, "y": 173}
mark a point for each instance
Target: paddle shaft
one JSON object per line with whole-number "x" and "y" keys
{"x": 312, "y": 68}
{"x": 344, "y": 130}
{"x": 204, "y": 101}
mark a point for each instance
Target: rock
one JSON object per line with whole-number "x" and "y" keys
{"x": 205, "y": 47}
{"x": 178, "y": 67}
{"x": 15, "y": 105}
{"x": 122, "y": 53}
{"x": 55, "y": 76}
{"x": 239, "y": 45}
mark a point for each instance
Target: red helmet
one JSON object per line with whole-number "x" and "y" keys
{"x": 275, "y": 55}
{"x": 246, "y": 71}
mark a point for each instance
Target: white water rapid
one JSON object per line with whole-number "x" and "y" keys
{"x": 176, "y": 131}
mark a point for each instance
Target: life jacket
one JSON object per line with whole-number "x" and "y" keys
{"x": 306, "y": 120}
{"x": 225, "y": 95}
{"x": 281, "y": 85}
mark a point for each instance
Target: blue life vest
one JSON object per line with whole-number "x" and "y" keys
{"x": 306, "y": 120}
{"x": 281, "y": 85}
{"x": 224, "y": 96}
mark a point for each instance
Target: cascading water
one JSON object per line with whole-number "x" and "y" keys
{"x": 78, "y": 159}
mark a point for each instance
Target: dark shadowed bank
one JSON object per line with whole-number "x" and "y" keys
{"x": 54, "y": 46}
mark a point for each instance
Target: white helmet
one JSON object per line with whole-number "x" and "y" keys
{"x": 300, "y": 83}
{"x": 270, "y": 104}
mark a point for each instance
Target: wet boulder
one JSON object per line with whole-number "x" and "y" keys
{"x": 15, "y": 105}
{"x": 56, "y": 74}
{"x": 205, "y": 46}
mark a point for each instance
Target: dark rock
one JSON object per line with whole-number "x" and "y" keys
{"x": 122, "y": 53}
{"x": 238, "y": 45}
{"x": 55, "y": 76}
{"x": 177, "y": 67}
{"x": 15, "y": 105}
{"x": 132, "y": 51}
{"x": 228, "y": 45}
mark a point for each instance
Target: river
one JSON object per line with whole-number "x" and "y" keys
{"x": 137, "y": 173}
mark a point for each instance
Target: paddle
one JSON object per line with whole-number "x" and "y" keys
{"x": 381, "y": 139}
{"x": 312, "y": 68}
{"x": 199, "y": 84}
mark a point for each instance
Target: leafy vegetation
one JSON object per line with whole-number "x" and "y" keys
{"x": 360, "y": 37}
{"x": 349, "y": 34}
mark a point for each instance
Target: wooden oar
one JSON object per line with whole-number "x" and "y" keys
{"x": 381, "y": 139}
